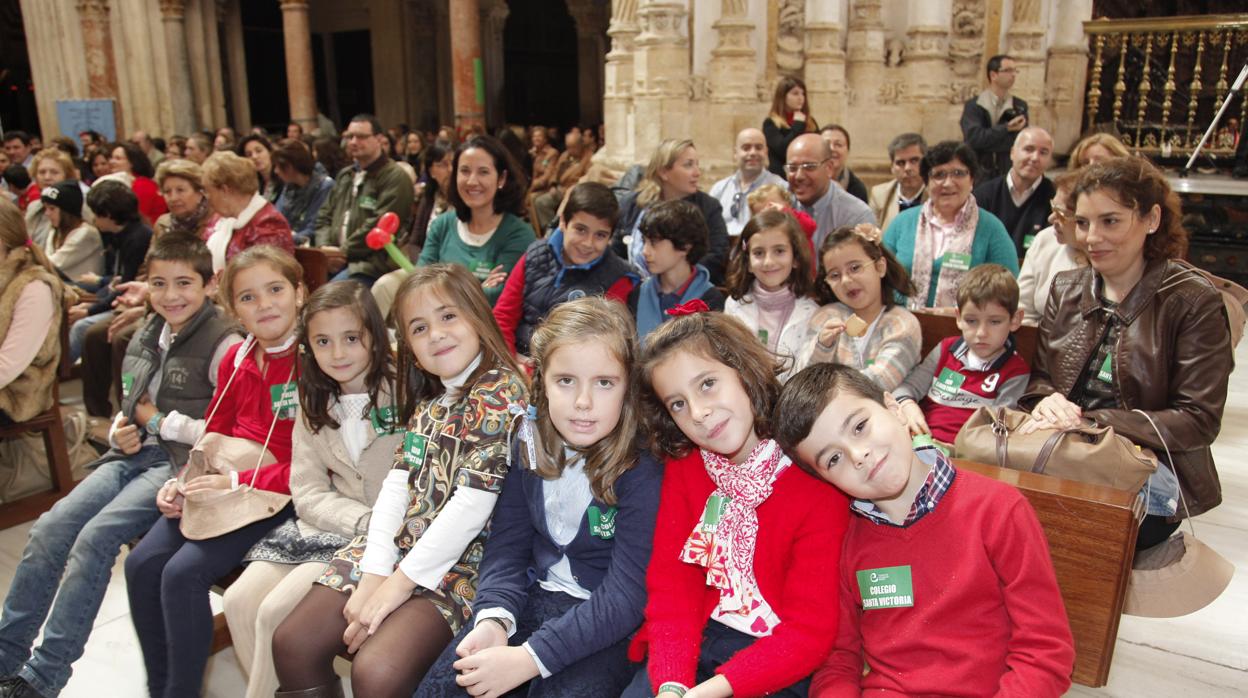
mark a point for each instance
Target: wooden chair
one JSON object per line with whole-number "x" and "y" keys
{"x": 47, "y": 423}
{"x": 315, "y": 265}
{"x": 937, "y": 325}
{"x": 1091, "y": 532}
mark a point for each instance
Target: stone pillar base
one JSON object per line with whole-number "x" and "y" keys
{"x": 1026, "y": 46}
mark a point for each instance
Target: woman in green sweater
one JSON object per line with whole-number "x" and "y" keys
{"x": 486, "y": 233}
{"x": 949, "y": 234}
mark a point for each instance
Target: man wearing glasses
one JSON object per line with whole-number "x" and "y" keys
{"x": 991, "y": 121}
{"x": 809, "y": 166}
{"x": 751, "y": 158}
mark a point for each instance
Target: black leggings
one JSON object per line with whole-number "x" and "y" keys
{"x": 390, "y": 663}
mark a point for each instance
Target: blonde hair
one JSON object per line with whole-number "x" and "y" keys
{"x": 62, "y": 159}
{"x": 224, "y": 169}
{"x": 184, "y": 169}
{"x": 664, "y": 157}
{"x": 583, "y": 320}
{"x": 453, "y": 283}
{"x": 1107, "y": 141}
{"x": 22, "y": 252}
{"x": 758, "y": 198}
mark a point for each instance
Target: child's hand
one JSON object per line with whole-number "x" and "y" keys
{"x": 495, "y": 671}
{"x": 715, "y": 687}
{"x": 143, "y": 411}
{"x": 830, "y": 332}
{"x": 392, "y": 593}
{"x": 133, "y": 293}
{"x": 169, "y": 500}
{"x": 1053, "y": 412}
{"x": 207, "y": 483}
{"x": 126, "y": 436}
{"x": 914, "y": 418}
{"x": 369, "y": 583}
{"x": 496, "y": 278}
{"x": 78, "y": 312}
{"x": 487, "y": 634}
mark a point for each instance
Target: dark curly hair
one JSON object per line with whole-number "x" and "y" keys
{"x": 896, "y": 280}
{"x": 1137, "y": 184}
{"x": 717, "y": 337}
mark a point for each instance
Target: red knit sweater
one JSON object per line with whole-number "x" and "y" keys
{"x": 987, "y": 619}
{"x": 800, "y": 527}
{"x": 247, "y": 411}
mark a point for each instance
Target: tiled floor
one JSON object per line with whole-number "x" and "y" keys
{"x": 1204, "y": 654}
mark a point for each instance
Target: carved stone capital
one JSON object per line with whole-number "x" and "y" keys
{"x": 823, "y": 40}
{"x": 927, "y": 42}
{"x": 734, "y": 37}
{"x": 661, "y": 23}
{"x": 173, "y": 9}
{"x": 865, "y": 14}
{"x": 1026, "y": 42}
{"x": 94, "y": 9}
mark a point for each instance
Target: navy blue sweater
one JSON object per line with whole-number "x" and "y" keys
{"x": 520, "y": 551}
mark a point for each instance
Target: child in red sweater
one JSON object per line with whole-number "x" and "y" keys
{"x": 946, "y": 585}
{"x": 743, "y": 540}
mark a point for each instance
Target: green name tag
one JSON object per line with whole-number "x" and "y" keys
{"x": 382, "y": 419}
{"x": 886, "y": 587}
{"x": 368, "y": 202}
{"x": 127, "y": 384}
{"x": 958, "y": 261}
{"x": 762, "y": 336}
{"x": 948, "y": 383}
{"x": 602, "y": 523}
{"x": 482, "y": 269}
{"x": 1106, "y": 373}
{"x": 715, "y": 507}
{"x": 1027, "y": 240}
{"x": 284, "y": 398}
{"x": 414, "y": 446}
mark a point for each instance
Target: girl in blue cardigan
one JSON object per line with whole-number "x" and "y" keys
{"x": 562, "y": 583}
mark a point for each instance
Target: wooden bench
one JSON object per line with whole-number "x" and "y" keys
{"x": 315, "y": 265}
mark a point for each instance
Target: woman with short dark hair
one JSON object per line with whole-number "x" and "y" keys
{"x": 130, "y": 165}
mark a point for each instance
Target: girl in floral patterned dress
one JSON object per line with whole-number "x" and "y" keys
{"x": 739, "y": 602}
{"x": 396, "y": 597}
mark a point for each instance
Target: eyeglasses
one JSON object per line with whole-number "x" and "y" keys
{"x": 949, "y": 174}
{"x": 807, "y": 167}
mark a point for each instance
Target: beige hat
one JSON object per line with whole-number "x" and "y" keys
{"x": 1177, "y": 577}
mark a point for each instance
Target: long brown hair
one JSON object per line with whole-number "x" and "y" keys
{"x": 583, "y": 320}
{"x": 22, "y": 252}
{"x": 780, "y": 111}
{"x": 801, "y": 279}
{"x": 1135, "y": 183}
{"x": 316, "y": 389}
{"x": 280, "y": 260}
{"x": 717, "y": 337}
{"x": 453, "y": 283}
{"x": 896, "y": 279}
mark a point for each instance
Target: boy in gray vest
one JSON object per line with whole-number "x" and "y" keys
{"x": 168, "y": 377}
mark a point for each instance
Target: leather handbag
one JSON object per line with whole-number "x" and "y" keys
{"x": 1094, "y": 455}
{"x": 208, "y": 514}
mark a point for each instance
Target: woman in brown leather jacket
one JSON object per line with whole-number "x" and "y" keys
{"x": 1138, "y": 329}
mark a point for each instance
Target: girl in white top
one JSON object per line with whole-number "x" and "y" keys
{"x": 770, "y": 284}
{"x": 343, "y": 443}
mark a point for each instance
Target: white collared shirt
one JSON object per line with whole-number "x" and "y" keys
{"x": 1020, "y": 199}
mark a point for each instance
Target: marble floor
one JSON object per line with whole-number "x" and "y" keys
{"x": 1205, "y": 653}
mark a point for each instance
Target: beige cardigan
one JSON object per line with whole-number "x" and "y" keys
{"x": 330, "y": 493}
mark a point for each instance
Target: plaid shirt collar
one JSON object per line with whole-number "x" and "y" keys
{"x": 938, "y": 481}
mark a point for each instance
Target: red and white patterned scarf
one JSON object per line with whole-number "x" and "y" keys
{"x": 726, "y": 548}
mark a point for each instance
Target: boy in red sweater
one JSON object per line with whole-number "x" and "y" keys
{"x": 978, "y": 369}
{"x": 946, "y": 585}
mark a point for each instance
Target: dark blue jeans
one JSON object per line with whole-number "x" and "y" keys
{"x": 168, "y": 578}
{"x": 70, "y": 557}
{"x": 604, "y": 673}
{"x": 719, "y": 643}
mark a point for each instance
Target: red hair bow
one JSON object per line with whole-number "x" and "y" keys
{"x": 697, "y": 305}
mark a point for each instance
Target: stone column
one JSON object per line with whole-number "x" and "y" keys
{"x": 591, "y": 27}
{"x": 927, "y": 49}
{"x": 1065, "y": 85}
{"x": 422, "y": 102}
{"x": 864, "y": 65}
{"x": 300, "y": 79}
{"x": 97, "y": 44}
{"x": 825, "y": 61}
{"x": 216, "y": 82}
{"x": 173, "y": 19}
{"x": 661, "y": 97}
{"x": 465, "y": 16}
{"x": 493, "y": 22}
{"x": 1025, "y": 44}
{"x": 236, "y": 59}
{"x": 618, "y": 92}
{"x": 732, "y": 64}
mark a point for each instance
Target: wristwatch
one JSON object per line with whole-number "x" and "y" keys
{"x": 153, "y": 425}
